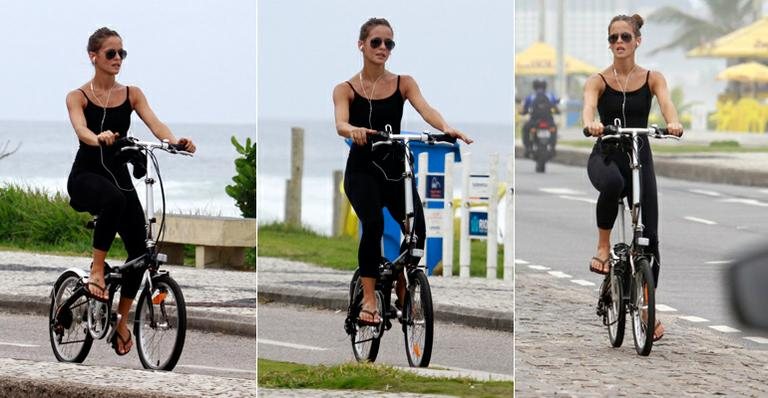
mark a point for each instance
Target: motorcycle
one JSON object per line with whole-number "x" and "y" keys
{"x": 543, "y": 135}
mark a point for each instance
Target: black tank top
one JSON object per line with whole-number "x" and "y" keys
{"x": 117, "y": 120}
{"x": 382, "y": 112}
{"x": 636, "y": 108}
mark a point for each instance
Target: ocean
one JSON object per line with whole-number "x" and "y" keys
{"x": 325, "y": 151}
{"x": 192, "y": 185}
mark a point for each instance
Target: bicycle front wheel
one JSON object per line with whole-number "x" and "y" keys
{"x": 67, "y": 324}
{"x": 418, "y": 325}
{"x": 160, "y": 325}
{"x": 643, "y": 307}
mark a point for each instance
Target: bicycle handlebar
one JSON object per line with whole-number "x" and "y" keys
{"x": 385, "y": 138}
{"x": 132, "y": 143}
{"x": 651, "y": 131}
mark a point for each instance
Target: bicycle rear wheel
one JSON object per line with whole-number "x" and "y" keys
{"x": 68, "y": 325}
{"x": 418, "y": 326}
{"x": 616, "y": 308}
{"x": 643, "y": 307}
{"x": 365, "y": 338}
{"x": 160, "y": 325}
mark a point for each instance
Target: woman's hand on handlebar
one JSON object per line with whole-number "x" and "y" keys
{"x": 189, "y": 146}
{"x": 675, "y": 129}
{"x": 359, "y": 135}
{"x": 595, "y": 128}
{"x": 107, "y": 138}
{"x": 458, "y": 134}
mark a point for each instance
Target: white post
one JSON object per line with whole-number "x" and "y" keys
{"x": 509, "y": 226}
{"x": 464, "y": 247}
{"x": 492, "y": 240}
{"x": 421, "y": 186}
{"x": 448, "y": 216}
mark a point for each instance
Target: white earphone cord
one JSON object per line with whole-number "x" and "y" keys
{"x": 101, "y": 129}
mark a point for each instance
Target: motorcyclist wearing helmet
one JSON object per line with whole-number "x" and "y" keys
{"x": 540, "y": 105}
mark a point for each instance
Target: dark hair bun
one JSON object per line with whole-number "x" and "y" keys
{"x": 638, "y": 21}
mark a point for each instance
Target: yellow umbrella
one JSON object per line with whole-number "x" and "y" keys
{"x": 749, "y": 41}
{"x": 746, "y": 72}
{"x": 540, "y": 59}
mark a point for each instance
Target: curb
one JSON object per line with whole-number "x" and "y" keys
{"x": 669, "y": 167}
{"x": 197, "y": 319}
{"x": 478, "y": 318}
{"x": 12, "y": 387}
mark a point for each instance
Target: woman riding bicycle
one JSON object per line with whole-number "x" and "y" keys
{"x": 100, "y": 112}
{"x": 624, "y": 91}
{"x": 363, "y": 105}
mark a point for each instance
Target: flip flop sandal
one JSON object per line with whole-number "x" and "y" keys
{"x": 600, "y": 270}
{"x": 123, "y": 341}
{"x": 373, "y": 314}
{"x": 655, "y": 327}
{"x": 90, "y": 294}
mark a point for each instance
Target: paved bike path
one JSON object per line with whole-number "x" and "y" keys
{"x": 217, "y": 300}
{"x": 562, "y": 349}
{"x": 476, "y": 302}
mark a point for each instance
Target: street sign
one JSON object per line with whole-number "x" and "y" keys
{"x": 435, "y": 186}
{"x": 434, "y": 219}
{"x": 478, "y": 224}
{"x": 479, "y": 187}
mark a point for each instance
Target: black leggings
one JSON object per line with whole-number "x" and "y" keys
{"x": 369, "y": 192}
{"x": 119, "y": 212}
{"x": 612, "y": 176}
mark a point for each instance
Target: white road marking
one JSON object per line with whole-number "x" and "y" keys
{"x": 694, "y": 319}
{"x": 700, "y": 220}
{"x": 561, "y": 191}
{"x": 19, "y": 345}
{"x": 717, "y": 262}
{"x": 705, "y": 192}
{"x": 582, "y": 282}
{"x": 725, "y": 329}
{"x": 479, "y": 374}
{"x": 759, "y": 340}
{"x": 217, "y": 368}
{"x": 559, "y": 274}
{"x": 538, "y": 267}
{"x": 518, "y": 261}
{"x": 664, "y": 308}
{"x": 753, "y": 202}
{"x": 291, "y": 345}
{"x": 579, "y": 198}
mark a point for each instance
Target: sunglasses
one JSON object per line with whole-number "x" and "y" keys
{"x": 625, "y": 37}
{"x": 388, "y": 43}
{"x": 111, "y": 53}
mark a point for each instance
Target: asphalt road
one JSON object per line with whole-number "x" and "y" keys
{"x": 314, "y": 336}
{"x": 26, "y": 337}
{"x": 703, "y": 227}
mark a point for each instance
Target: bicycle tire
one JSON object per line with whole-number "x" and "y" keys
{"x": 643, "y": 299}
{"x": 617, "y": 310}
{"x": 418, "y": 328}
{"x": 365, "y": 339}
{"x": 75, "y": 322}
{"x": 170, "y": 318}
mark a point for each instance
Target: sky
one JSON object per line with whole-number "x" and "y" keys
{"x": 194, "y": 59}
{"x": 460, "y": 53}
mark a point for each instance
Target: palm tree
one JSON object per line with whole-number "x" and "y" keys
{"x": 725, "y": 16}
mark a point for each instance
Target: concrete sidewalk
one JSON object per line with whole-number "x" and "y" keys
{"x": 737, "y": 168}
{"x": 562, "y": 349}
{"x": 475, "y": 302}
{"x": 217, "y": 300}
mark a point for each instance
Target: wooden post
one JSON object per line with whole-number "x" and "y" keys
{"x": 492, "y": 240}
{"x": 338, "y": 204}
{"x": 509, "y": 222}
{"x": 293, "y": 188}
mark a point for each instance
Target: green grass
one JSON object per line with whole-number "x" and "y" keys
{"x": 353, "y": 376}
{"x": 678, "y": 148}
{"x": 303, "y": 244}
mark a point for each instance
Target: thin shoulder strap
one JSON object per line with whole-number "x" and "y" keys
{"x": 647, "y": 76}
{"x": 603, "y": 77}
{"x": 398, "y": 82}
{"x": 352, "y": 87}
{"x": 84, "y": 95}
{"x": 127, "y": 93}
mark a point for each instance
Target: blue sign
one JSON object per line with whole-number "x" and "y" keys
{"x": 435, "y": 186}
{"x": 478, "y": 224}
